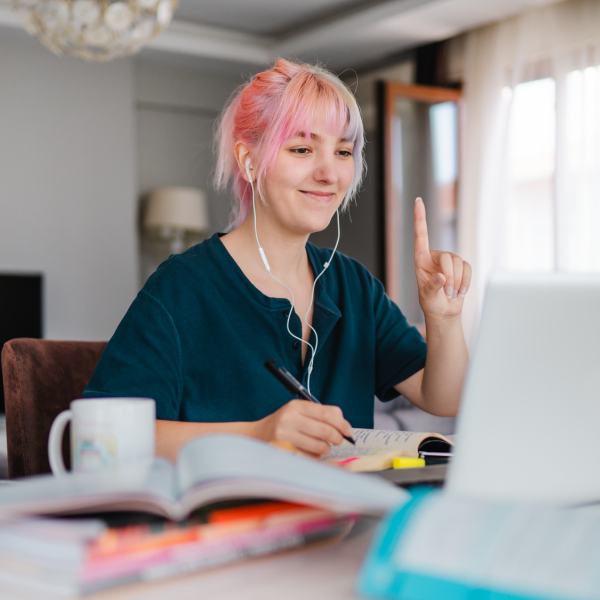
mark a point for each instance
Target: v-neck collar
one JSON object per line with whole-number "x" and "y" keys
{"x": 322, "y": 298}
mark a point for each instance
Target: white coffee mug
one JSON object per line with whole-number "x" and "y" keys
{"x": 105, "y": 432}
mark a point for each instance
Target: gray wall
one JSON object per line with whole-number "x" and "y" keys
{"x": 176, "y": 110}
{"x": 79, "y": 144}
{"x": 67, "y": 183}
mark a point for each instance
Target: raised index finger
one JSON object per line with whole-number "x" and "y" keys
{"x": 421, "y": 236}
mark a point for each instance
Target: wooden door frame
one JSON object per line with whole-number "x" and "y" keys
{"x": 388, "y": 93}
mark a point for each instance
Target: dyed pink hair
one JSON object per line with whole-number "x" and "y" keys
{"x": 271, "y": 109}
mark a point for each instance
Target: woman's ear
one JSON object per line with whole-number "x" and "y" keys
{"x": 242, "y": 155}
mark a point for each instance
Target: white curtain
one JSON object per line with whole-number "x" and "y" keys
{"x": 560, "y": 45}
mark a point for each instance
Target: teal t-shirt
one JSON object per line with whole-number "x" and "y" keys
{"x": 198, "y": 334}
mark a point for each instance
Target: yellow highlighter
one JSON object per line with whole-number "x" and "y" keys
{"x": 408, "y": 463}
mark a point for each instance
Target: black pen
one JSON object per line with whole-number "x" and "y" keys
{"x": 294, "y": 386}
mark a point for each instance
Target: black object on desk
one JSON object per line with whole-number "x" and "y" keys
{"x": 294, "y": 386}
{"x": 429, "y": 475}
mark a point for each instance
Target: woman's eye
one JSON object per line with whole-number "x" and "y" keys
{"x": 345, "y": 153}
{"x": 301, "y": 150}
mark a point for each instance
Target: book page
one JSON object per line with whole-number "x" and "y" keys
{"x": 403, "y": 440}
{"x": 223, "y": 466}
{"x": 382, "y": 440}
{"x": 342, "y": 451}
{"x": 147, "y": 484}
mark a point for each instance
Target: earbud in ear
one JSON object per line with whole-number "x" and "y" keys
{"x": 248, "y": 167}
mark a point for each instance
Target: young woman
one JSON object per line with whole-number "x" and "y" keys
{"x": 198, "y": 334}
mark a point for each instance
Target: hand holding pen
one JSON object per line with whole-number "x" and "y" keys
{"x": 310, "y": 426}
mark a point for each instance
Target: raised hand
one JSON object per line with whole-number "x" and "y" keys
{"x": 443, "y": 278}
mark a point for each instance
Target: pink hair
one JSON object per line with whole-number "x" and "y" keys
{"x": 271, "y": 109}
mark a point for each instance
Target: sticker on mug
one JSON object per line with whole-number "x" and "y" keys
{"x": 95, "y": 452}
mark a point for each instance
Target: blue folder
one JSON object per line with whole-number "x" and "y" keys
{"x": 384, "y": 575}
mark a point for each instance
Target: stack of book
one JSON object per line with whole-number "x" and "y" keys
{"x": 82, "y": 532}
{"x": 72, "y": 556}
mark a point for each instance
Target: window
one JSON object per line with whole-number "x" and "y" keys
{"x": 444, "y": 146}
{"x": 530, "y": 165}
{"x": 553, "y": 174}
{"x": 580, "y": 247}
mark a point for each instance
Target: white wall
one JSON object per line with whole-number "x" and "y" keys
{"x": 68, "y": 183}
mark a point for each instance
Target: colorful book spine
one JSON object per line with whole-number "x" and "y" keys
{"x": 202, "y": 553}
{"x": 101, "y": 557}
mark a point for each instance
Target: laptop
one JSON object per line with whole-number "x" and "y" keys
{"x": 529, "y": 422}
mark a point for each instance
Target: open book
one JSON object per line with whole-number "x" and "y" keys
{"x": 375, "y": 449}
{"x": 209, "y": 469}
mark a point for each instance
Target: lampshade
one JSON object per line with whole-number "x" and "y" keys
{"x": 180, "y": 208}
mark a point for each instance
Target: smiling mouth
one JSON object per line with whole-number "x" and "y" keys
{"x": 319, "y": 196}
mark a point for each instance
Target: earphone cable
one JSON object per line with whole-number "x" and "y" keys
{"x": 268, "y": 268}
{"x": 312, "y": 296}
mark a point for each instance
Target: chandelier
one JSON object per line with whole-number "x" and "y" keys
{"x": 95, "y": 29}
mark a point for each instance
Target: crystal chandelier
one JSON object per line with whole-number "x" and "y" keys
{"x": 95, "y": 29}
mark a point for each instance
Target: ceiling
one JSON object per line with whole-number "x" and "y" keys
{"x": 340, "y": 33}
{"x": 263, "y": 17}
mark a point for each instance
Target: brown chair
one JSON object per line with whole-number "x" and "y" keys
{"x": 41, "y": 377}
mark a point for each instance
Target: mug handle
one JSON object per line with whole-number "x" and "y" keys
{"x": 55, "y": 442}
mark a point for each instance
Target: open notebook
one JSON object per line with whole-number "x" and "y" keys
{"x": 376, "y": 448}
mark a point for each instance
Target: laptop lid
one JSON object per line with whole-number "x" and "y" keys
{"x": 529, "y": 422}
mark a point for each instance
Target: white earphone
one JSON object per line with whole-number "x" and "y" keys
{"x": 268, "y": 268}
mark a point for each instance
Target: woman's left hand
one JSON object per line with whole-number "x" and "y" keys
{"x": 443, "y": 278}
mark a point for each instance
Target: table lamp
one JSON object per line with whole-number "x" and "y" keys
{"x": 174, "y": 211}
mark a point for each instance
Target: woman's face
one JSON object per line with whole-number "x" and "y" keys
{"x": 309, "y": 181}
